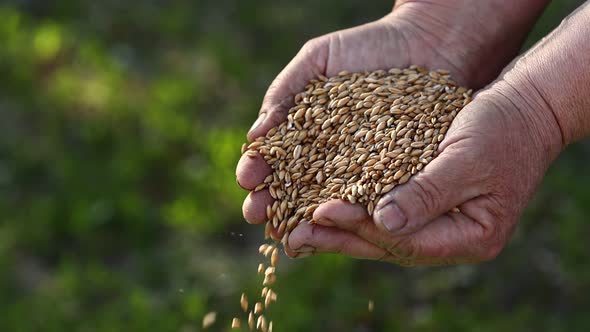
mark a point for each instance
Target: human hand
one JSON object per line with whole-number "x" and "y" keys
{"x": 413, "y": 34}
{"x": 495, "y": 154}
{"x": 492, "y": 159}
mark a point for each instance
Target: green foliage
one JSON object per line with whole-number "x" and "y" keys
{"x": 121, "y": 124}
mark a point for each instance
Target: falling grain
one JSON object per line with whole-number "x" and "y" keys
{"x": 258, "y": 308}
{"x": 244, "y": 302}
{"x": 251, "y": 320}
{"x": 209, "y": 319}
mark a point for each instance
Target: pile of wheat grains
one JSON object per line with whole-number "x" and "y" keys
{"x": 354, "y": 136}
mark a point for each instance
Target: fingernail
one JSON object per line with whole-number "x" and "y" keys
{"x": 258, "y": 122}
{"x": 392, "y": 217}
{"x": 305, "y": 249}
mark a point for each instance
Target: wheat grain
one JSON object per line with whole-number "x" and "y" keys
{"x": 209, "y": 319}
{"x": 244, "y": 302}
{"x": 251, "y": 320}
{"x": 258, "y": 308}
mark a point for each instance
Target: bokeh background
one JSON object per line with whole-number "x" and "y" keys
{"x": 120, "y": 127}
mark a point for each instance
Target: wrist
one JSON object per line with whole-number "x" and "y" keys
{"x": 523, "y": 103}
{"x": 476, "y": 37}
{"x": 504, "y": 10}
{"x": 559, "y": 70}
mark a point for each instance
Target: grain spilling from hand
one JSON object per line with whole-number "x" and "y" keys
{"x": 209, "y": 319}
{"x": 355, "y": 137}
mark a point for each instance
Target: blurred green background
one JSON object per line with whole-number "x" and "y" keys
{"x": 120, "y": 127}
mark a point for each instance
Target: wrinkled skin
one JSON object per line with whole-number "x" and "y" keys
{"x": 491, "y": 161}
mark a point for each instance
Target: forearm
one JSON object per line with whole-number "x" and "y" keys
{"x": 489, "y": 33}
{"x": 558, "y": 70}
{"x": 494, "y": 16}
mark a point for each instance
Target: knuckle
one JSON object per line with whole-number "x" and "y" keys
{"x": 345, "y": 248}
{"x": 362, "y": 228}
{"x": 312, "y": 44}
{"x": 312, "y": 233}
{"x": 314, "y": 53}
{"x": 272, "y": 90}
{"x": 277, "y": 114}
{"x": 276, "y": 104}
{"x": 493, "y": 241}
{"x": 492, "y": 233}
{"x": 427, "y": 194}
{"x": 403, "y": 248}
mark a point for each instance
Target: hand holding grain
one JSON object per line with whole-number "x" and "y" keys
{"x": 394, "y": 41}
{"x": 492, "y": 159}
{"x": 495, "y": 154}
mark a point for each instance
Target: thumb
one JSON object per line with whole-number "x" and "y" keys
{"x": 310, "y": 62}
{"x": 448, "y": 181}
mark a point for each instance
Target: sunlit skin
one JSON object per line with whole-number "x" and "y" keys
{"x": 495, "y": 153}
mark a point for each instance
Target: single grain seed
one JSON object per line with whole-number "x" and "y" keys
{"x": 244, "y": 302}
{"x": 251, "y": 320}
{"x": 209, "y": 319}
{"x": 263, "y": 327}
{"x": 274, "y": 258}
{"x": 251, "y": 154}
{"x": 257, "y": 308}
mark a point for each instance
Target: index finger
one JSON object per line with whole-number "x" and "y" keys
{"x": 307, "y": 64}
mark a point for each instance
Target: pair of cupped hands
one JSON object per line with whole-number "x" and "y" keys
{"x": 491, "y": 161}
